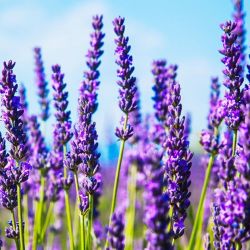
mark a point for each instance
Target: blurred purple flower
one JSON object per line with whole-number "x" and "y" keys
{"x": 42, "y": 84}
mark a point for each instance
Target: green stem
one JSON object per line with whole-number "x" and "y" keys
{"x": 81, "y": 216}
{"x": 69, "y": 224}
{"x": 14, "y": 226}
{"x": 82, "y": 232}
{"x": 40, "y": 205}
{"x": 199, "y": 215}
{"x": 90, "y": 221}
{"x": 67, "y": 206}
{"x": 47, "y": 221}
{"x": 117, "y": 177}
{"x": 20, "y": 217}
{"x": 35, "y": 229}
{"x": 26, "y": 219}
{"x": 130, "y": 215}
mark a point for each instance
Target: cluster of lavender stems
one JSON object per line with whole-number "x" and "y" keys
{"x": 50, "y": 195}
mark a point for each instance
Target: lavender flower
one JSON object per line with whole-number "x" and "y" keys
{"x": 243, "y": 160}
{"x": 210, "y": 137}
{"x": 62, "y": 132}
{"x": 178, "y": 157}
{"x": 116, "y": 236}
{"x": 91, "y": 83}
{"x": 135, "y": 119}
{"x": 10, "y": 232}
{"x": 156, "y": 202}
{"x": 233, "y": 198}
{"x": 163, "y": 76}
{"x": 23, "y": 101}
{"x": 216, "y": 227}
{"x": 8, "y": 191}
{"x": 12, "y": 113}
{"x": 233, "y": 205}
{"x": 128, "y": 89}
{"x": 40, "y": 151}
{"x": 239, "y": 16}
{"x": 87, "y": 144}
{"x": 233, "y": 75}
{"x": 42, "y": 84}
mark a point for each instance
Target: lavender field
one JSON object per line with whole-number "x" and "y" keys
{"x": 80, "y": 169}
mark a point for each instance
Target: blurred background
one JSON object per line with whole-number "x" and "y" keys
{"x": 185, "y": 32}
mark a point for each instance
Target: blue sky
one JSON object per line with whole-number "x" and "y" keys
{"x": 185, "y": 32}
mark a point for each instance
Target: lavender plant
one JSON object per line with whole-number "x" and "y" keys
{"x": 55, "y": 195}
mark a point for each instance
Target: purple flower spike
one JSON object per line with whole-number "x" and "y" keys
{"x": 135, "y": 119}
{"x": 12, "y": 112}
{"x": 233, "y": 75}
{"x": 10, "y": 232}
{"x": 40, "y": 151}
{"x": 84, "y": 153}
{"x": 216, "y": 112}
{"x": 239, "y": 18}
{"x": 116, "y": 235}
{"x": 127, "y": 82}
{"x": 91, "y": 77}
{"x": 62, "y": 132}
{"x": 163, "y": 78}
{"x": 177, "y": 158}
{"x": 232, "y": 227}
{"x": 8, "y": 191}
{"x": 84, "y": 203}
{"x": 42, "y": 84}
{"x": 156, "y": 202}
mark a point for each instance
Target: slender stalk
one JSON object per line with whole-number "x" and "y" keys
{"x": 20, "y": 217}
{"x": 40, "y": 205}
{"x": 116, "y": 183}
{"x": 81, "y": 216}
{"x": 67, "y": 206}
{"x": 130, "y": 215}
{"x": 200, "y": 210}
{"x": 82, "y": 232}
{"x": 35, "y": 229}
{"x": 47, "y": 221}
{"x": 90, "y": 221}
{"x": 191, "y": 214}
{"x": 14, "y": 226}
{"x": 26, "y": 219}
{"x": 69, "y": 224}
{"x": 76, "y": 225}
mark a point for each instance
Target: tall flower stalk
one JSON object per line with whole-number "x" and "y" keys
{"x": 239, "y": 19}
{"x": 18, "y": 169}
{"x": 42, "y": 84}
{"x": 157, "y": 202}
{"x": 127, "y": 102}
{"x": 84, "y": 146}
{"x": 177, "y": 156}
{"x": 210, "y": 143}
{"x": 62, "y": 135}
{"x": 133, "y": 168}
